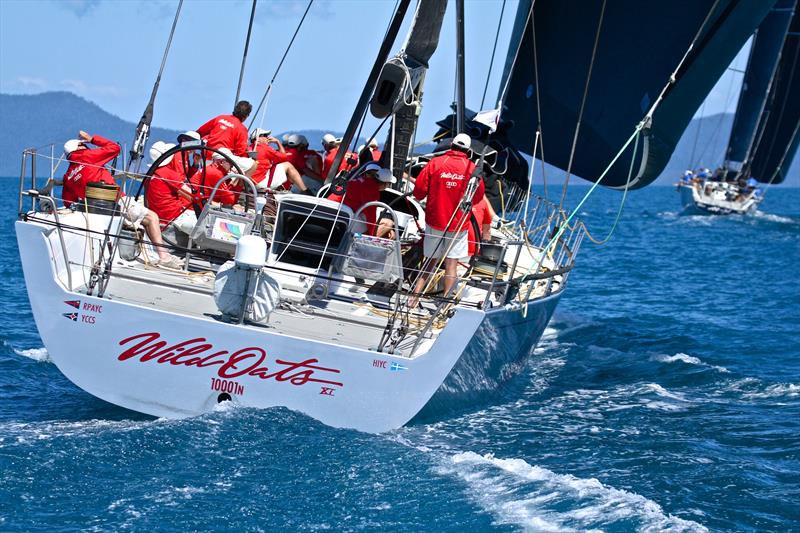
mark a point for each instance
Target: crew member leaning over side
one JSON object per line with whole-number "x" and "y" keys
{"x": 86, "y": 166}
{"x": 443, "y": 182}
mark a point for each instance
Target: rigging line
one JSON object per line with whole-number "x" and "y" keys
{"x": 564, "y": 225}
{"x": 697, "y": 135}
{"x": 583, "y": 105}
{"x": 143, "y": 128}
{"x": 607, "y": 238}
{"x": 244, "y": 56}
{"x": 494, "y": 49}
{"x": 278, "y": 69}
{"x": 713, "y": 139}
{"x": 538, "y": 106}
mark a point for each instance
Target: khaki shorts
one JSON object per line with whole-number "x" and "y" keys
{"x": 437, "y": 243}
{"x": 132, "y": 211}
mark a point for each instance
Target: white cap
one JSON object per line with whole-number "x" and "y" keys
{"x": 292, "y": 140}
{"x": 258, "y": 132}
{"x": 158, "y": 149}
{"x": 372, "y": 167}
{"x": 462, "y": 140}
{"x": 328, "y": 140}
{"x": 188, "y": 135}
{"x": 373, "y": 143}
{"x": 71, "y": 145}
{"x": 360, "y": 147}
{"x": 385, "y": 176}
{"x": 218, "y": 155}
{"x": 338, "y": 140}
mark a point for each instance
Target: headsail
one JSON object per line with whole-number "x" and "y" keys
{"x": 761, "y": 67}
{"x": 777, "y": 135}
{"x": 641, "y": 43}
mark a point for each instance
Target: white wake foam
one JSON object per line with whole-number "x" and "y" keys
{"x": 778, "y": 390}
{"x": 773, "y": 218}
{"x": 537, "y": 499}
{"x": 688, "y": 359}
{"x": 37, "y": 354}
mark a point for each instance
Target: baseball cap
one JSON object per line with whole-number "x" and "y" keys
{"x": 259, "y": 132}
{"x": 71, "y": 145}
{"x": 372, "y": 167}
{"x": 328, "y": 139}
{"x": 462, "y": 140}
{"x": 385, "y": 176}
{"x": 188, "y": 136}
{"x": 158, "y": 149}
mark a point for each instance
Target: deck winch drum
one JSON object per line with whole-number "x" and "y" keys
{"x": 101, "y": 198}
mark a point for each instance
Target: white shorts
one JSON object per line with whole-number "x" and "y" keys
{"x": 278, "y": 173}
{"x": 132, "y": 211}
{"x": 437, "y": 243}
{"x": 186, "y": 221}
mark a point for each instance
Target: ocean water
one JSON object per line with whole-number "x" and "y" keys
{"x": 664, "y": 396}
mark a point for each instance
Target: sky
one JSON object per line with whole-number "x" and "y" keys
{"x": 109, "y": 52}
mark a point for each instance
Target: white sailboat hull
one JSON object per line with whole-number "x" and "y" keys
{"x": 696, "y": 203}
{"x": 171, "y": 365}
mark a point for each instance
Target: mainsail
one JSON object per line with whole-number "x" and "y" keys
{"x": 761, "y": 68}
{"x": 624, "y": 83}
{"x": 777, "y": 135}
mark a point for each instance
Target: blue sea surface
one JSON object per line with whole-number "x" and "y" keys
{"x": 664, "y": 396}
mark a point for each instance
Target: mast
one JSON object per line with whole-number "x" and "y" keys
{"x": 460, "y": 66}
{"x": 363, "y": 100}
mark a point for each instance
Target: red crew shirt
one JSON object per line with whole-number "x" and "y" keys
{"x": 177, "y": 164}
{"x": 330, "y": 155}
{"x": 226, "y": 194}
{"x": 267, "y": 158}
{"x": 376, "y": 155}
{"x": 86, "y": 166}
{"x": 225, "y": 131}
{"x": 444, "y": 180}
{"x": 360, "y": 191}
{"x": 300, "y": 158}
{"x": 484, "y": 217}
{"x": 162, "y": 194}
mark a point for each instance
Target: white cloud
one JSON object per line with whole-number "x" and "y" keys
{"x": 86, "y": 89}
{"x": 31, "y": 83}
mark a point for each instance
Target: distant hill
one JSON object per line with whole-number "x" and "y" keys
{"x": 37, "y": 120}
{"x": 40, "y": 119}
{"x": 28, "y": 121}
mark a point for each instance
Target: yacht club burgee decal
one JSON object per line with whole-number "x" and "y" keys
{"x": 250, "y": 361}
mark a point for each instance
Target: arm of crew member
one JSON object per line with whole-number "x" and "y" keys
{"x": 106, "y": 150}
{"x": 421, "y": 184}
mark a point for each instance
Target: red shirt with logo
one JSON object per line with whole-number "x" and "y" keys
{"x": 267, "y": 158}
{"x": 225, "y": 131}
{"x": 86, "y": 166}
{"x": 484, "y": 218}
{"x": 443, "y": 181}
{"x": 227, "y": 193}
{"x": 162, "y": 194}
{"x": 361, "y": 190}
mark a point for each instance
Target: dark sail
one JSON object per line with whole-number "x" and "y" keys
{"x": 777, "y": 135}
{"x": 761, "y": 67}
{"x": 640, "y": 45}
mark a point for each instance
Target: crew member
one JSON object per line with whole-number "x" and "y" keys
{"x": 373, "y": 147}
{"x": 307, "y": 162}
{"x": 204, "y": 180}
{"x": 186, "y": 163}
{"x": 443, "y": 182}
{"x": 87, "y": 166}
{"x": 168, "y": 194}
{"x": 274, "y": 169}
{"x": 227, "y": 131}
{"x": 365, "y": 188}
{"x": 484, "y": 216}
{"x": 331, "y": 146}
